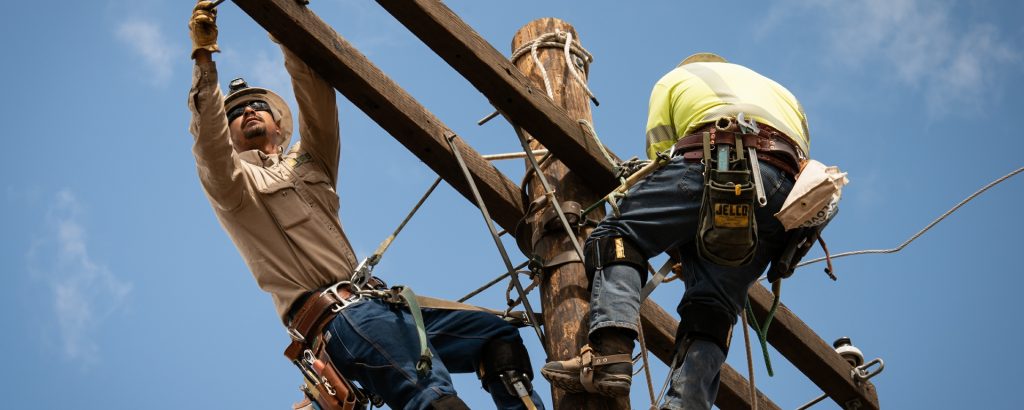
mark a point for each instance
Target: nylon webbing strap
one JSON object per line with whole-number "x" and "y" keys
{"x": 406, "y": 293}
{"x": 657, "y": 279}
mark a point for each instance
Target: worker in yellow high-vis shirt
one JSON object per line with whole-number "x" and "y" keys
{"x": 705, "y": 106}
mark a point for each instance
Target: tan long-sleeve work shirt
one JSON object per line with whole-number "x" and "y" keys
{"x": 281, "y": 211}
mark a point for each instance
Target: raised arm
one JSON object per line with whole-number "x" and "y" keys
{"x": 318, "y": 114}
{"x": 216, "y": 161}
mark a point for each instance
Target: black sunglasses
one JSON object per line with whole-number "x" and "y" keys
{"x": 257, "y": 105}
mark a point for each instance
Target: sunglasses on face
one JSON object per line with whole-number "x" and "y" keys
{"x": 256, "y": 105}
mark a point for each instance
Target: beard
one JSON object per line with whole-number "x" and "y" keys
{"x": 255, "y": 131}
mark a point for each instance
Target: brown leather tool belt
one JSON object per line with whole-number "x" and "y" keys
{"x": 318, "y": 309}
{"x": 772, "y": 146}
{"x": 324, "y": 383}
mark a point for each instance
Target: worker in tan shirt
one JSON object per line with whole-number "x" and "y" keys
{"x": 280, "y": 208}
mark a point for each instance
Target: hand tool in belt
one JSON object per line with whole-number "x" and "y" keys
{"x": 324, "y": 383}
{"x": 727, "y": 229}
{"x": 770, "y": 145}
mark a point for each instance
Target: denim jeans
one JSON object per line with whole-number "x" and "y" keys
{"x": 662, "y": 212}
{"x": 376, "y": 344}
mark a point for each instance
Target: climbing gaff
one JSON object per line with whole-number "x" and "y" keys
{"x": 450, "y": 138}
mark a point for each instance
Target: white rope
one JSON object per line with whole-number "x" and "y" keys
{"x": 573, "y": 69}
{"x": 562, "y": 40}
{"x": 543, "y": 71}
{"x": 925, "y": 229}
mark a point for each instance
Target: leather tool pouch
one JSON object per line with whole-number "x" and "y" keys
{"x": 331, "y": 391}
{"x": 727, "y": 234}
{"x": 336, "y": 392}
{"x": 324, "y": 384}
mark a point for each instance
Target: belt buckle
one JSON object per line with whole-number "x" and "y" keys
{"x": 356, "y": 296}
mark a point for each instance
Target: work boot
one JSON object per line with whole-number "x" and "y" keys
{"x": 605, "y": 366}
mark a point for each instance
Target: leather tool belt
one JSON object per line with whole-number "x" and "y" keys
{"x": 316, "y": 311}
{"x": 771, "y": 145}
{"x": 324, "y": 383}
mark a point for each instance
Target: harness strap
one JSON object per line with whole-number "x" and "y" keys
{"x": 405, "y": 295}
{"x": 588, "y": 361}
{"x": 657, "y": 279}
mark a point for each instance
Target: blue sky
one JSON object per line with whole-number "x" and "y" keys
{"x": 122, "y": 291}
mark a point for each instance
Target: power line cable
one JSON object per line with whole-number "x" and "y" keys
{"x": 925, "y": 229}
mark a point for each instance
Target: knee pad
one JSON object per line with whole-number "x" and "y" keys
{"x": 707, "y": 323}
{"x": 612, "y": 250}
{"x": 508, "y": 362}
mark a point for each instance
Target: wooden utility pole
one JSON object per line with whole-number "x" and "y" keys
{"x": 564, "y": 295}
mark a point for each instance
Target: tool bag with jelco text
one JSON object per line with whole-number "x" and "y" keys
{"x": 727, "y": 230}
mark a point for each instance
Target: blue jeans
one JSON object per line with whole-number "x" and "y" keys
{"x": 662, "y": 212}
{"x": 376, "y": 344}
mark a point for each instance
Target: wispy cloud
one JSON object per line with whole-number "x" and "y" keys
{"x": 84, "y": 292}
{"x": 145, "y": 39}
{"x": 921, "y": 41}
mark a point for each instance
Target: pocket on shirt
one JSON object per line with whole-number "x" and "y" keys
{"x": 320, "y": 185}
{"x": 285, "y": 203}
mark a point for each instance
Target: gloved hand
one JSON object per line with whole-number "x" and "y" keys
{"x": 202, "y": 28}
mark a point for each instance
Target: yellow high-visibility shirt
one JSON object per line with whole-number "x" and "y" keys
{"x": 699, "y": 93}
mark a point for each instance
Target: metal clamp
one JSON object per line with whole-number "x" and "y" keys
{"x": 861, "y": 373}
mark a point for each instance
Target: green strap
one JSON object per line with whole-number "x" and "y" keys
{"x": 762, "y": 330}
{"x": 404, "y": 292}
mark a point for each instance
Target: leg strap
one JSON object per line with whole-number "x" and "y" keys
{"x": 499, "y": 356}
{"x": 509, "y": 363}
{"x": 611, "y": 250}
{"x": 703, "y": 322}
{"x": 452, "y": 402}
{"x": 588, "y": 361}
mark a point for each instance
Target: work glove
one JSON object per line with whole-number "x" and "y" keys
{"x": 202, "y": 28}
